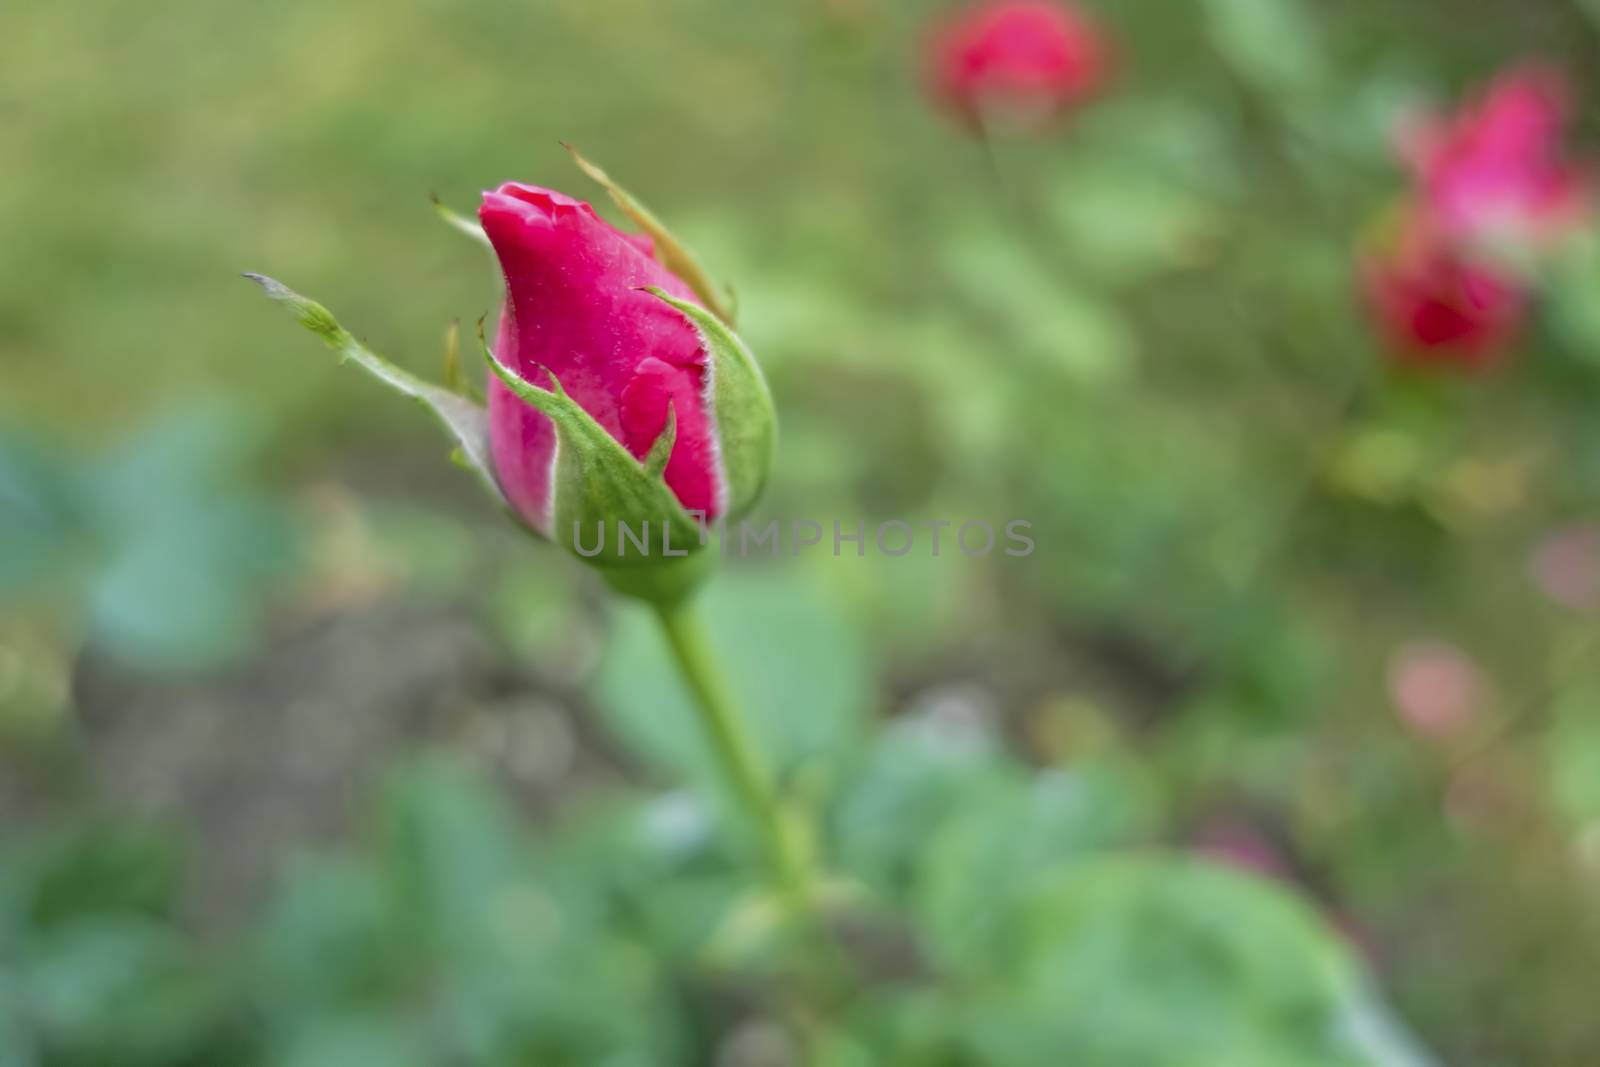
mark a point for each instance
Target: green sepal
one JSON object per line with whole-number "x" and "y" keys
{"x": 741, "y": 405}
{"x": 454, "y": 380}
{"x": 655, "y": 463}
{"x": 466, "y": 422}
{"x": 669, "y": 250}
{"x": 462, "y": 224}
{"x": 597, "y": 484}
{"x": 667, "y": 583}
{"x": 457, "y": 221}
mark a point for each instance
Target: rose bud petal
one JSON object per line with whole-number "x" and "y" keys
{"x": 575, "y": 309}
{"x": 1023, "y": 62}
{"x": 1436, "y": 307}
{"x": 1497, "y": 170}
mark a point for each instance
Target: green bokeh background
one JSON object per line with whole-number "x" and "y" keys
{"x": 265, "y": 657}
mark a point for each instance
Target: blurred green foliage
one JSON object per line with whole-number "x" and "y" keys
{"x": 451, "y": 937}
{"x": 1140, "y": 334}
{"x": 167, "y": 555}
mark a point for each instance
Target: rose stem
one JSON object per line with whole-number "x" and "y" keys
{"x": 740, "y": 761}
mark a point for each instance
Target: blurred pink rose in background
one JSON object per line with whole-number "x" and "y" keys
{"x": 1566, "y": 566}
{"x": 1436, "y": 689}
{"x": 1493, "y": 187}
{"x": 1022, "y": 62}
{"x": 1434, "y": 305}
{"x": 1498, "y": 167}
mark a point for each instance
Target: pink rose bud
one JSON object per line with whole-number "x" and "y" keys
{"x": 1023, "y": 62}
{"x": 576, "y": 308}
{"x": 1435, "y": 306}
{"x": 1436, "y": 689}
{"x": 1498, "y": 169}
{"x": 620, "y": 395}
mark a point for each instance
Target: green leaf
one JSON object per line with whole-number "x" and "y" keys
{"x": 91, "y": 968}
{"x": 183, "y": 590}
{"x": 1371, "y": 1028}
{"x": 377, "y": 1040}
{"x": 160, "y": 546}
{"x": 93, "y": 871}
{"x": 746, "y": 422}
{"x": 187, "y": 550}
{"x": 1009, "y": 833}
{"x": 1165, "y": 962}
{"x": 116, "y": 990}
{"x": 914, "y": 779}
{"x": 452, "y": 921}
{"x": 326, "y": 940}
{"x": 466, "y": 422}
{"x": 448, "y": 847}
{"x": 44, "y": 528}
{"x": 669, "y": 250}
{"x": 658, "y": 858}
